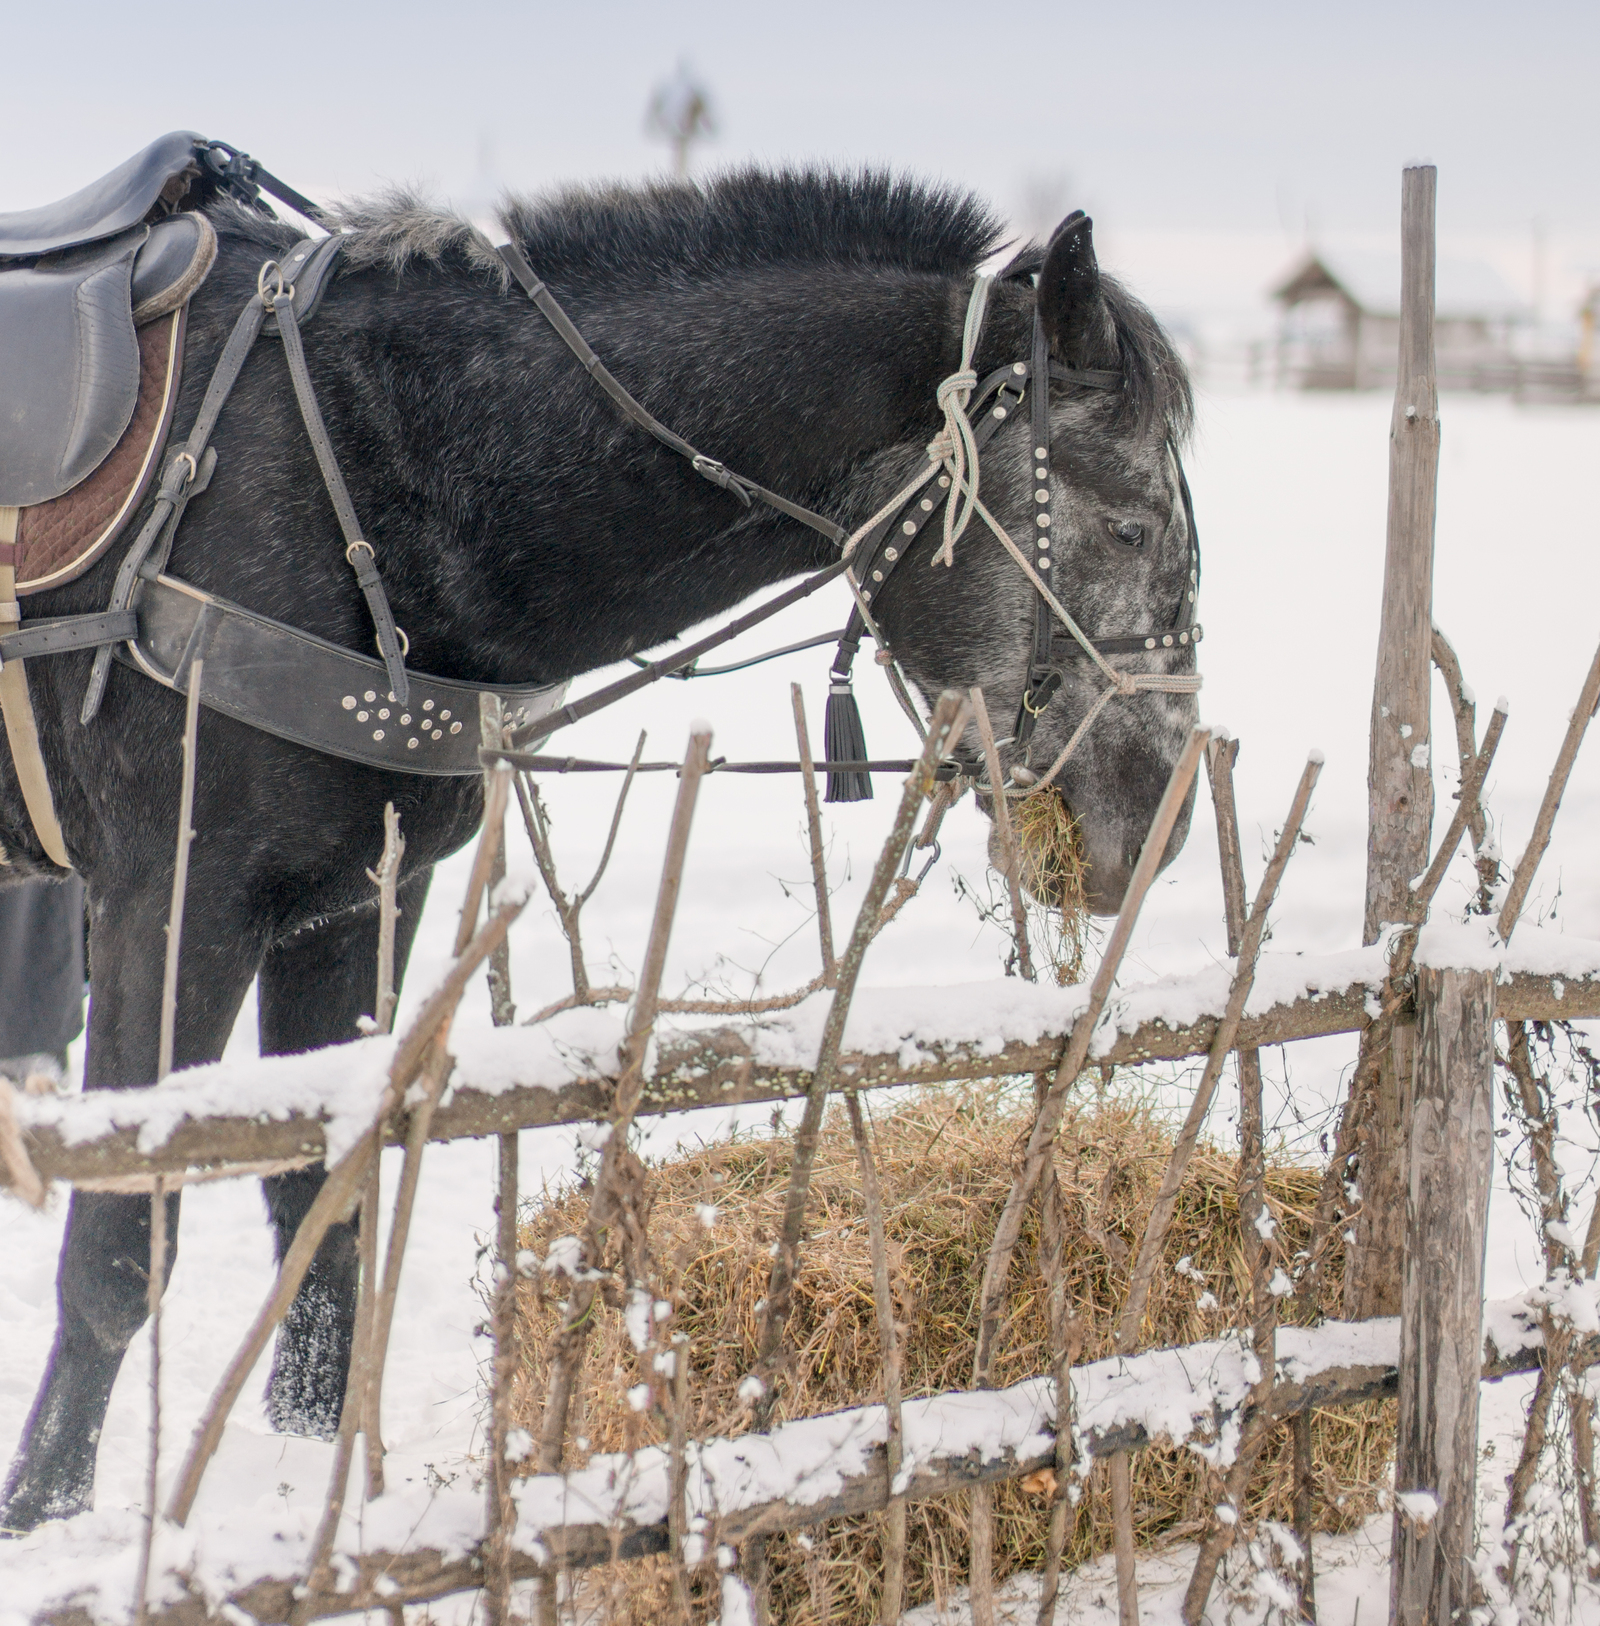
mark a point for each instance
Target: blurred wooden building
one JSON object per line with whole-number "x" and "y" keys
{"x": 1339, "y": 325}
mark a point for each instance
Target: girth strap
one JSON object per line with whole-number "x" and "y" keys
{"x": 22, "y": 730}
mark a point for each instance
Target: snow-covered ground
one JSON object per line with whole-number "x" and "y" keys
{"x": 1290, "y": 499}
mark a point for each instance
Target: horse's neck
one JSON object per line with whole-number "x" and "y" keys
{"x": 818, "y": 383}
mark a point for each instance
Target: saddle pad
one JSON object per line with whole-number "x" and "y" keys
{"x": 58, "y": 540}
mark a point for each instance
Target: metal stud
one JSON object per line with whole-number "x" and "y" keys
{"x": 455, "y": 728}
{"x": 1149, "y": 643}
{"x": 377, "y": 733}
{"x": 349, "y": 702}
{"x": 944, "y": 480}
{"x": 427, "y": 705}
{"x": 1166, "y": 642}
{"x": 1019, "y": 366}
{"x": 998, "y": 412}
{"x": 411, "y": 745}
{"x": 1041, "y": 495}
{"x": 405, "y": 717}
{"x": 910, "y": 527}
{"x": 1041, "y": 452}
{"x": 444, "y": 717}
{"x": 1041, "y": 542}
{"x": 370, "y": 695}
{"x": 1041, "y": 474}
{"x": 361, "y": 716}
{"x": 391, "y": 694}
{"x": 1191, "y": 598}
{"x": 891, "y": 554}
{"x": 877, "y": 575}
{"x": 438, "y": 733}
{"x": 383, "y": 714}
{"x": 1044, "y": 561}
{"x": 927, "y": 505}
{"x": 1041, "y": 519}
{"x": 1183, "y": 637}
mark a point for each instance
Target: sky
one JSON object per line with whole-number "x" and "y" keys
{"x": 1241, "y": 117}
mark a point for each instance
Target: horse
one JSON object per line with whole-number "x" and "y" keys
{"x": 796, "y": 323}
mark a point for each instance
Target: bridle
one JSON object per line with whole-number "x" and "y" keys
{"x": 875, "y": 550}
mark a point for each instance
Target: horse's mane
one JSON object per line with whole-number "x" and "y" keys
{"x": 622, "y": 237}
{"x": 640, "y": 236}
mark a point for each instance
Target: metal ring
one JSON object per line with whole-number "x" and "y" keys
{"x": 405, "y": 642}
{"x": 194, "y": 468}
{"x": 270, "y": 284}
{"x": 360, "y": 542}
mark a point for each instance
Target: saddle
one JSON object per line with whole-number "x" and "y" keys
{"x": 93, "y": 292}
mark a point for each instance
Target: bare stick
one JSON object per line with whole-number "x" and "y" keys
{"x": 371, "y": 1423}
{"x": 1076, "y": 1054}
{"x": 894, "y": 1543}
{"x": 1166, "y": 1201}
{"x": 502, "y": 1512}
{"x": 1221, "y": 757}
{"x": 569, "y": 910}
{"x": 155, "y": 1285}
{"x": 609, "y": 1204}
{"x": 1006, "y": 832}
{"x": 14, "y": 1159}
{"x": 1304, "y": 1505}
{"x": 387, "y": 879}
{"x": 502, "y": 1011}
{"x": 1066, "y": 1336}
{"x": 1465, "y": 712}
{"x": 1528, "y": 864}
{"x": 180, "y": 876}
{"x": 819, "y": 868}
{"x": 942, "y": 731}
{"x": 339, "y": 1193}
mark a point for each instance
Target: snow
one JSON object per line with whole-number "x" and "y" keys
{"x": 1299, "y": 603}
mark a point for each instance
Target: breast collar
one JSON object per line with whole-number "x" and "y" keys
{"x": 996, "y": 399}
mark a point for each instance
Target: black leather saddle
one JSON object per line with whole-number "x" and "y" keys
{"x": 77, "y": 279}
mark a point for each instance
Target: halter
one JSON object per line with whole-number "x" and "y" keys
{"x": 1057, "y": 637}
{"x": 884, "y": 541}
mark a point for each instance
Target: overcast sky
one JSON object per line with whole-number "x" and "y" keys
{"x": 1248, "y": 116}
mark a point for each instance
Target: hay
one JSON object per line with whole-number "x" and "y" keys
{"x": 945, "y": 1163}
{"x": 1053, "y": 872}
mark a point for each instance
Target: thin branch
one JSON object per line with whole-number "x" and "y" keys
{"x": 1009, "y": 857}
{"x": 942, "y": 731}
{"x": 894, "y": 1543}
{"x": 1465, "y": 712}
{"x": 616, "y": 821}
{"x": 1076, "y": 1054}
{"x": 1528, "y": 864}
{"x": 155, "y": 1286}
{"x": 614, "y": 1203}
{"x": 819, "y": 868}
{"x": 387, "y": 878}
{"x": 180, "y": 876}
{"x": 339, "y": 1194}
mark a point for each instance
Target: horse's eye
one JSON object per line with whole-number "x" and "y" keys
{"x": 1128, "y": 531}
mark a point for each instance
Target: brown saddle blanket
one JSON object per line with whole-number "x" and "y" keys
{"x": 58, "y": 540}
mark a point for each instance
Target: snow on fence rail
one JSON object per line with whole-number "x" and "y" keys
{"x": 419, "y": 1546}
{"x": 283, "y": 1109}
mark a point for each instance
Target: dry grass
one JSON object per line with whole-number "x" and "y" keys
{"x": 1053, "y": 872}
{"x": 945, "y": 1163}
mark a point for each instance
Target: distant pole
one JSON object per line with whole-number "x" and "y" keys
{"x": 680, "y": 114}
{"x": 1400, "y": 769}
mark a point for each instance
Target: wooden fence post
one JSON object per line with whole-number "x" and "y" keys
{"x": 1400, "y": 769}
{"x": 1441, "y": 1318}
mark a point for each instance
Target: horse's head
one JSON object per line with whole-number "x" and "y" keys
{"x": 1122, "y": 560}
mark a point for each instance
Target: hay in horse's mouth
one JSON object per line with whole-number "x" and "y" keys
{"x": 1055, "y": 873}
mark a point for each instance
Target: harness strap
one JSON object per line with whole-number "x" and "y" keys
{"x": 358, "y": 551}
{"x": 741, "y": 486}
{"x": 22, "y": 730}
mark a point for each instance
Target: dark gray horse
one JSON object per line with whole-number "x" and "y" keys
{"x": 794, "y": 325}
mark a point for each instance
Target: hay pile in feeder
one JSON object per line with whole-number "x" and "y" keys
{"x": 1053, "y": 871}
{"x": 945, "y": 1161}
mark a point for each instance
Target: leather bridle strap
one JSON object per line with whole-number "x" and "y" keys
{"x": 1044, "y": 678}
{"x": 707, "y": 467}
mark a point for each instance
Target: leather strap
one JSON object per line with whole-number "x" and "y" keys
{"x": 61, "y": 634}
{"x": 22, "y": 730}
{"x": 708, "y": 467}
{"x": 299, "y": 687}
{"x": 357, "y": 549}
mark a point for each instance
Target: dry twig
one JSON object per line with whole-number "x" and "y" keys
{"x": 819, "y": 870}
{"x": 1008, "y": 836}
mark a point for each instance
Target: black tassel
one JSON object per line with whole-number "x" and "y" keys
{"x": 843, "y": 741}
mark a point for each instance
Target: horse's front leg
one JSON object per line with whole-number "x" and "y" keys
{"x": 314, "y": 986}
{"x": 101, "y": 1292}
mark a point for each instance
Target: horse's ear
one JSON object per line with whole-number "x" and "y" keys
{"x": 1076, "y": 318}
